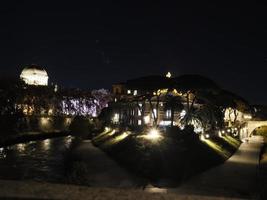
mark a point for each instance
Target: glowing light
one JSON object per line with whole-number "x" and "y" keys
{"x": 116, "y": 118}
{"x": 216, "y": 147}
{"x": 46, "y": 144}
{"x": 165, "y": 123}
{"x": 155, "y": 112}
{"x": 118, "y": 138}
{"x": 197, "y": 126}
{"x": 107, "y": 129}
{"x": 247, "y": 116}
{"x": 112, "y": 132}
{"x": 168, "y": 113}
{"x": 202, "y": 137}
{"x": 228, "y": 130}
{"x": 34, "y": 76}
{"x": 169, "y": 75}
{"x": 129, "y": 91}
{"x": 182, "y": 114}
{"x": 220, "y": 134}
{"x": 50, "y": 111}
{"x": 44, "y": 120}
{"x": 153, "y": 134}
{"x": 135, "y": 92}
{"x": 207, "y": 136}
{"x": 147, "y": 119}
{"x": 21, "y": 147}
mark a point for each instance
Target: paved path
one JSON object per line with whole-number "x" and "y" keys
{"x": 22, "y": 190}
{"x": 102, "y": 171}
{"x": 237, "y": 177}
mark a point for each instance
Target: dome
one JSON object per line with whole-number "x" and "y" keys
{"x": 34, "y": 75}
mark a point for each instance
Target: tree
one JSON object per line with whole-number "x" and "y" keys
{"x": 173, "y": 103}
{"x": 101, "y": 99}
{"x": 194, "y": 88}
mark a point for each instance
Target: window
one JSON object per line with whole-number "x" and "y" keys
{"x": 168, "y": 114}
{"x": 155, "y": 112}
{"x": 135, "y": 92}
{"x": 116, "y": 118}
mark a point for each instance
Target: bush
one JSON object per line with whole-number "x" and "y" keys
{"x": 81, "y": 126}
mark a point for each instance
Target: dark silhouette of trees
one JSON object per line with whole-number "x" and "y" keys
{"x": 174, "y": 104}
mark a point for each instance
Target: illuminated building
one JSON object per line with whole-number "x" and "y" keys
{"x": 143, "y": 111}
{"x": 34, "y": 75}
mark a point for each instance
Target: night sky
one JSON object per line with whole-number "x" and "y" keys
{"x": 94, "y": 45}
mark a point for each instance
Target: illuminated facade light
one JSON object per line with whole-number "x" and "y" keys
{"x": 220, "y": 133}
{"x": 153, "y": 134}
{"x": 169, "y": 75}
{"x": 116, "y": 118}
{"x": 107, "y": 129}
{"x": 154, "y": 111}
{"x": 182, "y": 114}
{"x": 135, "y": 92}
{"x": 168, "y": 114}
{"x": 129, "y": 91}
{"x": 247, "y": 116}
{"x": 147, "y": 119}
{"x": 165, "y": 123}
{"x": 34, "y": 75}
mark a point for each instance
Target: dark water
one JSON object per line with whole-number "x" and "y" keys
{"x": 37, "y": 160}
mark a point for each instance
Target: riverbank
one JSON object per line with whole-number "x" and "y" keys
{"x": 90, "y": 166}
{"x": 236, "y": 178}
{"x": 263, "y": 163}
{"x": 35, "y": 190}
{"x": 31, "y": 136}
{"x": 168, "y": 160}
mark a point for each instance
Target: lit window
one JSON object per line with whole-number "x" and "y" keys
{"x": 168, "y": 113}
{"x": 165, "y": 123}
{"x": 155, "y": 112}
{"x": 129, "y": 92}
{"x": 135, "y": 92}
{"x": 147, "y": 119}
{"x": 183, "y": 113}
{"x": 139, "y": 122}
{"x": 116, "y": 118}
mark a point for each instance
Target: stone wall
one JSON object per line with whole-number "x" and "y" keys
{"x": 47, "y": 124}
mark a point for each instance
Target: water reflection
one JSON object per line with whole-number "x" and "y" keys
{"x": 38, "y": 160}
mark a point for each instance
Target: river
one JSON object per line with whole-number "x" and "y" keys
{"x": 41, "y": 160}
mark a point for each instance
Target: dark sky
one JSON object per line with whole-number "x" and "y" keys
{"x": 94, "y": 45}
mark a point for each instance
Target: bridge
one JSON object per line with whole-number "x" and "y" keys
{"x": 252, "y": 125}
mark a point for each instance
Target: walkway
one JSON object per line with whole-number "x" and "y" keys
{"x": 237, "y": 177}
{"x": 102, "y": 171}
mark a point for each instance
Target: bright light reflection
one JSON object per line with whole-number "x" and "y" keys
{"x": 153, "y": 134}
{"x": 46, "y": 144}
